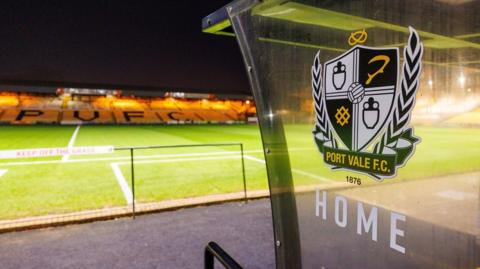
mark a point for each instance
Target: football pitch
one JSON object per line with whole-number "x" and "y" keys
{"x": 52, "y": 185}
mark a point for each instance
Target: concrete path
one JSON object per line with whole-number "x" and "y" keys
{"x": 170, "y": 240}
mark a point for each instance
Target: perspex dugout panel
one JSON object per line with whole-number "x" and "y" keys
{"x": 370, "y": 114}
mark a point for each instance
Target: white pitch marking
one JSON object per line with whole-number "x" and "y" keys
{"x": 2, "y": 172}
{"x": 300, "y": 172}
{"x": 456, "y": 195}
{"x": 183, "y": 160}
{"x": 254, "y": 159}
{"x": 141, "y": 157}
{"x": 127, "y": 192}
{"x": 128, "y": 158}
{"x": 71, "y": 143}
{"x": 303, "y": 173}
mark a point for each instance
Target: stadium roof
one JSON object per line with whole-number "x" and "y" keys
{"x": 144, "y": 45}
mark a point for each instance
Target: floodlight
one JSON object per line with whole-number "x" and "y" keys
{"x": 461, "y": 80}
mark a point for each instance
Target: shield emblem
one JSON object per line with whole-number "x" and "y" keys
{"x": 360, "y": 86}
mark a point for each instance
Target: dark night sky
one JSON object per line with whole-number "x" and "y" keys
{"x": 155, "y": 44}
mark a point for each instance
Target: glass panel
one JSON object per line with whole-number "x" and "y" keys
{"x": 388, "y": 181}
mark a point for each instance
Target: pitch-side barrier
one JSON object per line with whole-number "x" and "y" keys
{"x": 76, "y": 181}
{"x": 132, "y": 162}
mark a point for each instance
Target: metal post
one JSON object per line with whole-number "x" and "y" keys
{"x": 243, "y": 173}
{"x": 208, "y": 260}
{"x": 212, "y": 251}
{"x": 132, "y": 173}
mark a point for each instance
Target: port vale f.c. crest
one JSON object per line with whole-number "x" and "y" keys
{"x": 363, "y": 105}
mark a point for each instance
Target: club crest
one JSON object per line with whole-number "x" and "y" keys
{"x": 363, "y": 107}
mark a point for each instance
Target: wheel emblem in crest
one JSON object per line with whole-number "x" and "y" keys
{"x": 363, "y": 110}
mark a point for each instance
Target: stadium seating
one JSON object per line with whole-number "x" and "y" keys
{"x": 168, "y": 103}
{"x": 179, "y": 116}
{"x": 30, "y": 116}
{"x": 24, "y": 108}
{"x": 86, "y": 117}
{"x": 471, "y": 118}
{"x": 8, "y": 100}
{"x": 447, "y": 111}
{"x": 136, "y": 116}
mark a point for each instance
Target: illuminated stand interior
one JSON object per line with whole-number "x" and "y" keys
{"x": 425, "y": 217}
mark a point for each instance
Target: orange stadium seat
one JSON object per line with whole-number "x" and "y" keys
{"x": 27, "y": 101}
{"x": 30, "y": 116}
{"x": 136, "y": 116}
{"x": 193, "y": 105}
{"x": 211, "y": 115}
{"x": 168, "y": 103}
{"x": 102, "y": 102}
{"x": 126, "y": 104}
{"x": 181, "y": 104}
{"x": 219, "y": 105}
{"x": 175, "y": 116}
{"x": 9, "y": 100}
{"x": 87, "y": 117}
{"x": 231, "y": 114}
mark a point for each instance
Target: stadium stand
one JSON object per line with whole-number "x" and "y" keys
{"x": 211, "y": 115}
{"x": 136, "y": 116}
{"x": 49, "y": 108}
{"x": 447, "y": 111}
{"x": 25, "y": 108}
{"x": 30, "y": 116}
{"x": 180, "y": 116}
{"x": 471, "y": 118}
{"x": 168, "y": 103}
{"x": 86, "y": 116}
{"x": 8, "y": 100}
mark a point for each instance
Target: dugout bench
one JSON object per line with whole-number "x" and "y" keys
{"x": 361, "y": 76}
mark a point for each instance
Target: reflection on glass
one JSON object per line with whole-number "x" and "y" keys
{"x": 428, "y": 215}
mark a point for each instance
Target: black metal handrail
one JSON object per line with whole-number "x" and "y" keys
{"x": 181, "y": 146}
{"x": 212, "y": 251}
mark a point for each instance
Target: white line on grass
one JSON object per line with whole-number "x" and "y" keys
{"x": 71, "y": 143}
{"x": 128, "y": 158}
{"x": 2, "y": 172}
{"x": 303, "y": 173}
{"x": 300, "y": 172}
{"x": 248, "y": 157}
{"x": 183, "y": 160}
{"x": 139, "y": 157}
{"x": 127, "y": 192}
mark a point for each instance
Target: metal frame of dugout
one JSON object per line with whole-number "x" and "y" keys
{"x": 132, "y": 162}
{"x": 279, "y": 40}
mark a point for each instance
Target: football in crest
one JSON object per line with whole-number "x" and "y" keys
{"x": 355, "y": 93}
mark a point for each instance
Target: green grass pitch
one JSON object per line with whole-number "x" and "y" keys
{"x": 39, "y": 186}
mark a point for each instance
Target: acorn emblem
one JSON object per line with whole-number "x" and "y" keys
{"x": 371, "y": 113}
{"x": 339, "y": 75}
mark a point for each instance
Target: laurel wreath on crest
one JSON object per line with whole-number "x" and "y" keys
{"x": 321, "y": 122}
{"x": 405, "y": 100}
